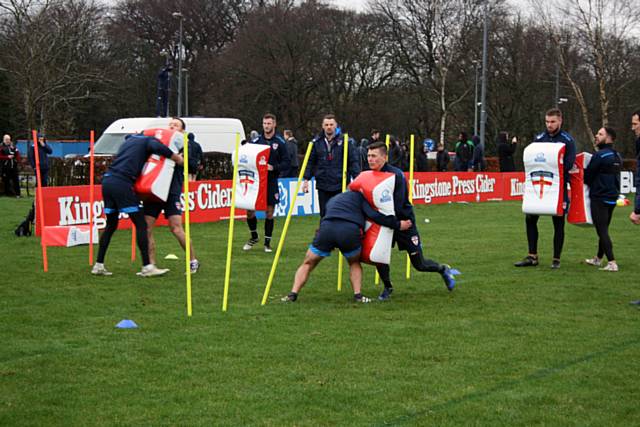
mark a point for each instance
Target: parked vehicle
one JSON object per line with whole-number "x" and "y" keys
{"x": 213, "y": 134}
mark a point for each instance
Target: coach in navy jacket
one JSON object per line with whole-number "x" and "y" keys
{"x": 326, "y": 160}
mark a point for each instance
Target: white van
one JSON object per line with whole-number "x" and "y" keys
{"x": 217, "y": 135}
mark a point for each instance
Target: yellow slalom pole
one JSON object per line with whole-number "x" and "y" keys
{"x": 344, "y": 187}
{"x": 232, "y": 217}
{"x": 286, "y": 225}
{"x": 411, "y": 152}
{"x": 187, "y": 224}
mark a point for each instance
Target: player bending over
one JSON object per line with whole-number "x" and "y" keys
{"x": 342, "y": 227}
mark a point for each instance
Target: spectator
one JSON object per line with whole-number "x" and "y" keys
{"x": 292, "y": 150}
{"x": 464, "y": 154}
{"x": 9, "y": 163}
{"x": 195, "y": 157}
{"x": 375, "y": 136}
{"x": 395, "y": 153}
{"x": 404, "y": 161}
{"x": 420, "y": 158}
{"x": 442, "y": 158}
{"x": 362, "y": 152}
{"x": 506, "y": 151}
{"x": 479, "y": 162}
{"x": 44, "y": 151}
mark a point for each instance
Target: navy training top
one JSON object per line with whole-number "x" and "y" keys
{"x": 602, "y": 175}
{"x": 133, "y": 154}
{"x": 353, "y": 207}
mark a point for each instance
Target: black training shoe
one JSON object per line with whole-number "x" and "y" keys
{"x": 292, "y": 297}
{"x": 555, "y": 264}
{"x": 528, "y": 261}
{"x": 385, "y": 295}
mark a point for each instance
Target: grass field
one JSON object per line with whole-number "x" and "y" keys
{"x": 507, "y": 347}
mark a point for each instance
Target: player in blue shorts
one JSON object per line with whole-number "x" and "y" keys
{"x": 407, "y": 240}
{"x": 342, "y": 227}
{"x": 119, "y": 197}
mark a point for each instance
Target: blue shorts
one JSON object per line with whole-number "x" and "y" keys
{"x": 118, "y": 196}
{"x": 343, "y": 235}
{"x": 408, "y": 240}
{"x": 171, "y": 207}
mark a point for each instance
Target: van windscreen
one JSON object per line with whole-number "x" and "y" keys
{"x": 109, "y": 143}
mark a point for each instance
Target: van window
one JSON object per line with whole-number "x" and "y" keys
{"x": 109, "y": 143}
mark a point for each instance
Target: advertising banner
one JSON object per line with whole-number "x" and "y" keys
{"x": 210, "y": 201}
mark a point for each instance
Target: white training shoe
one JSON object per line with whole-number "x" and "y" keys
{"x": 247, "y": 246}
{"x": 268, "y": 249}
{"x": 151, "y": 270}
{"x": 611, "y": 266}
{"x": 99, "y": 270}
{"x": 594, "y": 261}
{"x": 194, "y": 265}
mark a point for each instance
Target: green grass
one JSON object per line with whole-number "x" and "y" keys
{"x": 507, "y": 347}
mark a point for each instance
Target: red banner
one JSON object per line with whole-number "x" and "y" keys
{"x": 444, "y": 187}
{"x": 210, "y": 201}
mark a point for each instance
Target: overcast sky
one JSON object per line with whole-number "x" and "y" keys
{"x": 361, "y": 5}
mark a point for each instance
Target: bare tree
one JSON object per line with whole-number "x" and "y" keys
{"x": 141, "y": 31}
{"x": 49, "y": 49}
{"x": 599, "y": 32}
{"x": 428, "y": 37}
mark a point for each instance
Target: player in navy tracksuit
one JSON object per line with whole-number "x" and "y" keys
{"x": 119, "y": 197}
{"x": 407, "y": 240}
{"x": 553, "y": 122}
{"x": 602, "y": 175}
{"x": 326, "y": 161}
{"x": 342, "y": 227}
{"x": 172, "y": 208}
{"x": 278, "y": 160}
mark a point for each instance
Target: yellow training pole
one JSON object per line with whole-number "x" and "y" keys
{"x": 344, "y": 187}
{"x": 232, "y": 217}
{"x": 187, "y": 225}
{"x": 410, "y": 195}
{"x": 286, "y": 225}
